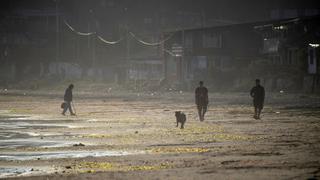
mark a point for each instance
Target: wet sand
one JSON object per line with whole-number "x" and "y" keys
{"x": 133, "y": 136}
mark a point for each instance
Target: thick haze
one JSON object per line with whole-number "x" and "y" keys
{"x": 233, "y": 10}
{"x": 113, "y": 38}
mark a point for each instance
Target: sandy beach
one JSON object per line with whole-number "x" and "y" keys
{"x": 118, "y": 135}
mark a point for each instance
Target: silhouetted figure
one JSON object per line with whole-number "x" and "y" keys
{"x": 258, "y": 94}
{"x": 181, "y": 118}
{"x": 201, "y": 96}
{"x": 68, "y": 100}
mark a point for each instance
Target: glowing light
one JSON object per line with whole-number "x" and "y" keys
{"x": 314, "y": 45}
{"x": 280, "y": 27}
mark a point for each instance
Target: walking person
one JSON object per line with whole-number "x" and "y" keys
{"x": 201, "y": 97}
{"x": 258, "y": 94}
{"x": 68, "y": 100}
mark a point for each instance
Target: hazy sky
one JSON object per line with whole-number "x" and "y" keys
{"x": 236, "y": 10}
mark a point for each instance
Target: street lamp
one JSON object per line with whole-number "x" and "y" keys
{"x": 314, "y": 45}
{"x": 312, "y": 63}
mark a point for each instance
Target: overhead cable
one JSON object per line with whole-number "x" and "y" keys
{"x": 92, "y": 33}
{"x": 150, "y": 44}
{"x": 79, "y": 33}
{"x": 115, "y": 42}
{"x": 109, "y": 42}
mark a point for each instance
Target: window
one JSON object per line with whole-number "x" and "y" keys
{"x": 311, "y": 56}
{"x": 270, "y": 45}
{"x": 217, "y": 62}
{"x": 292, "y": 57}
{"x": 275, "y": 60}
{"x": 188, "y": 42}
{"x": 147, "y": 20}
{"x": 211, "y": 40}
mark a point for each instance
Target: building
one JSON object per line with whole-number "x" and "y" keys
{"x": 291, "y": 47}
{"x": 27, "y": 43}
{"x": 232, "y": 56}
{"x": 211, "y": 53}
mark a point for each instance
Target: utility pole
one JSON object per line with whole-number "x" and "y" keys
{"x": 93, "y": 51}
{"x": 127, "y": 44}
{"x": 183, "y": 67}
{"x": 91, "y": 40}
{"x": 57, "y": 31}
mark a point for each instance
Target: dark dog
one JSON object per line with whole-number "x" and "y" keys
{"x": 181, "y": 118}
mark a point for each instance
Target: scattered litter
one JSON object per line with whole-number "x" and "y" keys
{"x": 109, "y": 90}
{"x": 80, "y": 144}
{"x": 5, "y": 91}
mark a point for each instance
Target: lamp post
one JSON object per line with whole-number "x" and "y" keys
{"x": 57, "y": 31}
{"x": 312, "y": 63}
{"x": 177, "y": 51}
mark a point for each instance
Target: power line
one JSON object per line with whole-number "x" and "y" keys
{"x": 77, "y": 32}
{"x": 92, "y": 33}
{"x": 116, "y": 42}
{"x": 148, "y": 43}
{"x": 109, "y": 42}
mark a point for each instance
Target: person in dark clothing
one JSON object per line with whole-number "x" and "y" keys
{"x": 68, "y": 100}
{"x": 258, "y": 95}
{"x": 201, "y": 97}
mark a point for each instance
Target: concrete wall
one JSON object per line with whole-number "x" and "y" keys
{"x": 7, "y": 73}
{"x": 65, "y": 70}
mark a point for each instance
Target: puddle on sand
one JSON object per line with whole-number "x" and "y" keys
{"x": 20, "y": 131}
{"x": 22, "y": 125}
{"x": 23, "y": 156}
{"x": 16, "y": 135}
{"x": 6, "y": 172}
{"x": 14, "y": 143}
